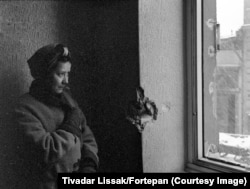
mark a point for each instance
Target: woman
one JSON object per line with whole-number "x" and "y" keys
{"x": 53, "y": 131}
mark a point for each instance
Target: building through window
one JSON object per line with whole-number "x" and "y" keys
{"x": 221, "y": 99}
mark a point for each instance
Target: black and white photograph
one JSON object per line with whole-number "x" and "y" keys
{"x": 146, "y": 88}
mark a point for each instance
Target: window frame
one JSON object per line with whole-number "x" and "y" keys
{"x": 193, "y": 48}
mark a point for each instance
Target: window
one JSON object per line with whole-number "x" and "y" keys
{"x": 218, "y": 54}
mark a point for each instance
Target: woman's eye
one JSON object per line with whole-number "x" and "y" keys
{"x": 60, "y": 74}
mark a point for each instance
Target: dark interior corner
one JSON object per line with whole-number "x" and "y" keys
{"x": 103, "y": 38}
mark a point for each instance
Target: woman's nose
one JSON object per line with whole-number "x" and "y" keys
{"x": 66, "y": 79}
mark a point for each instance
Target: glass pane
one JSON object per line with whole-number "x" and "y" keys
{"x": 226, "y": 87}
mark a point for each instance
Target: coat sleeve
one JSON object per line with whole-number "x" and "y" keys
{"x": 51, "y": 146}
{"x": 89, "y": 145}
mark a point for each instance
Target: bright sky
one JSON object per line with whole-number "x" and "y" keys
{"x": 230, "y": 16}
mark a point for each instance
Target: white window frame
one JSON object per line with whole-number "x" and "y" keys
{"x": 194, "y": 159}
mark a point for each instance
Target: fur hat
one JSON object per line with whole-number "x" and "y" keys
{"x": 45, "y": 59}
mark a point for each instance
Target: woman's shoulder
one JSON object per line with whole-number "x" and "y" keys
{"x": 26, "y": 100}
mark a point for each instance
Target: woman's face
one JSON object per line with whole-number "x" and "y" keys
{"x": 60, "y": 77}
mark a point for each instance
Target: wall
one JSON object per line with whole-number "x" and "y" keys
{"x": 106, "y": 39}
{"x": 103, "y": 39}
{"x": 162, "y": 77}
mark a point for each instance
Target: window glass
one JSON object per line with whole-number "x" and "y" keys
{"x": 226, "y": 81}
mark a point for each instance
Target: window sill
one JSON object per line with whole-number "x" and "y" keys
{"x": 209, "y": 166}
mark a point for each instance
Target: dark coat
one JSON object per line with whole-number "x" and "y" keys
{"x": 43, "y": 148}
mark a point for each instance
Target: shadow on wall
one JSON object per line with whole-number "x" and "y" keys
{"x": 12, "y": 85}
{"x": 103, "y": 38}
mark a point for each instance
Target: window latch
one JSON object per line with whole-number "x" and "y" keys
{"x": 215, "y": 27}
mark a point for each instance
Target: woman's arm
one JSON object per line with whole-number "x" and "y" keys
{"x": 51, "y": 146}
